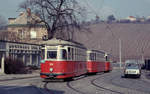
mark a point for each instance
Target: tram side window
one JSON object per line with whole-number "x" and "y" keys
{"x": 64, "y": 54}
{"x": 88, "y": 56}
{"x": 106, "y": 58}
{"x": 51, "y": 54}
{"x": 91, "y": 56}
{"x": 43, "y": 54}
{"x": 94, "y": 56}
{"x": 69, "y": 54}
{"x": 72, "y": 54}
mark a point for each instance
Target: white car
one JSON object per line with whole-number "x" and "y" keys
{"x": 132, "y": 70}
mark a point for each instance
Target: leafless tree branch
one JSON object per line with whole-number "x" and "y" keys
{"x": 58, "y": 15}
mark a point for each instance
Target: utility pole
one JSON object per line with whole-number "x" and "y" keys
{"x": 120, "y": 51}
{"x": 142, "y": 56}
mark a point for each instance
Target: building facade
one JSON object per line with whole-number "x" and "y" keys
{"x": 27, "y": 26}
{"x": 28, "y": 53}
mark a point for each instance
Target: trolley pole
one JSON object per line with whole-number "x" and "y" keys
{"x": 120, "y": 51}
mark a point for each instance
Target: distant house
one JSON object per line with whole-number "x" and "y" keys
{"x": 148, "y": 18}
{"x": 123, "y": 21}
{"x": 26, "y": 26}
{"x": 141, "y": 19}
{"x": 131, "y": 18}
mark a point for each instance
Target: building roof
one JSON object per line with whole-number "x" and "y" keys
{"x": 25, "y": 18}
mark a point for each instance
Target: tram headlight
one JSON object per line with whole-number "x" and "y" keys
{"x": 51, "y": 69}
{"x": 42, "y": 61}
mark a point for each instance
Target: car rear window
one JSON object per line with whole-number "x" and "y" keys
{"x": 132, "y": 66}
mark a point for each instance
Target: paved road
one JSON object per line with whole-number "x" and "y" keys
{"x": 22, "y": 86}
{"x": 101, "y": 83}
{"x": 108, "y": 83}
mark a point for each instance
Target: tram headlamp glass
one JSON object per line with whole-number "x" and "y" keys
{"x": 51, "y": 69}
{"x": 42, "y": 61}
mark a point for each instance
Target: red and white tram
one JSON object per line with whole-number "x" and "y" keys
{"x": 62, "y": 59}
{"x": 95, "y": 61}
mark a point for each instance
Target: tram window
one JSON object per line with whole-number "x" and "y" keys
{"x": 43, "y": 54}
{"x": 51, "y": 54}
{"x": 88, "y": 56}
{"x": 91, "y": 56}
{"x": 94, "y": 56}
{"x": 64, "y": 54}
{"x": 72, "y": 54}
{"x": 75, "y": 53}
{"x": 69, "y": 54}
{"x": 106, "y": 58}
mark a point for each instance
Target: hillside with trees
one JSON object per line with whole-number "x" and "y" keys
{"x": 134, "y": 37}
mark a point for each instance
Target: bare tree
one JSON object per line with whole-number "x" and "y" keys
{"x": 111, "y": 18}
{"x": 61, "y": 17}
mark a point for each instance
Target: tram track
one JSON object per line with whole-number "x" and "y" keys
{"x": 131, "y": 82}
{"x": 92, "y": 82}
{"x": 103, "y": 88}
{"x": 95, "y": 80}
{"x": 74, "y": 89}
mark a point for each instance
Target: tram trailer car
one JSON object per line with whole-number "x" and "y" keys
{"x": 62, "y": 59}
{"x": 95, "y": 61}
{"x": 108, "y": 66}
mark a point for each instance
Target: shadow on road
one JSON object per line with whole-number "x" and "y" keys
{"x": 130, "y": 77}
{"x": 56, "y": 92}
{"x": 51, "y": 91}
{"x": 26, "y": 90}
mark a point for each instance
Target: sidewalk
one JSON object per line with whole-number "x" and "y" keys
{"x": 31, "y": 89}
{"x": 147, "y": 74}
{"x": 6, "y": 77}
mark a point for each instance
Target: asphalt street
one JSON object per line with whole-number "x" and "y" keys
{"x": 22, "y": 86}
{"x": 101, "y": 83}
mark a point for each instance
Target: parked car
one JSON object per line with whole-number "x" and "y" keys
{"x": 132, "y": 69}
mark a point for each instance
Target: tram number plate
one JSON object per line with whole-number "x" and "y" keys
{"x": 51, "y": 76}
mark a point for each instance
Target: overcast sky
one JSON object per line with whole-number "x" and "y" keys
{"x": 102, "y": 8}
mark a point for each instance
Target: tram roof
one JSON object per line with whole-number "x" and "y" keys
{"x": 55, "y": 41}
{"x": 99, "y": 51}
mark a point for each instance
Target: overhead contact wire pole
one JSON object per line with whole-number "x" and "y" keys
{"x": 120, "y": 52}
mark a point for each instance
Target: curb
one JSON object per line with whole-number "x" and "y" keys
{"x": 145, "y": 76}
{"x": 17, "y": 78}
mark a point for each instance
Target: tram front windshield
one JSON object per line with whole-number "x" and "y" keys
{"x": 51, "y": 54}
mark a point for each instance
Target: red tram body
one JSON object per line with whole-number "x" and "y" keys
{"x": 63, "y": 59}
{"x": 95, "y": 61}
